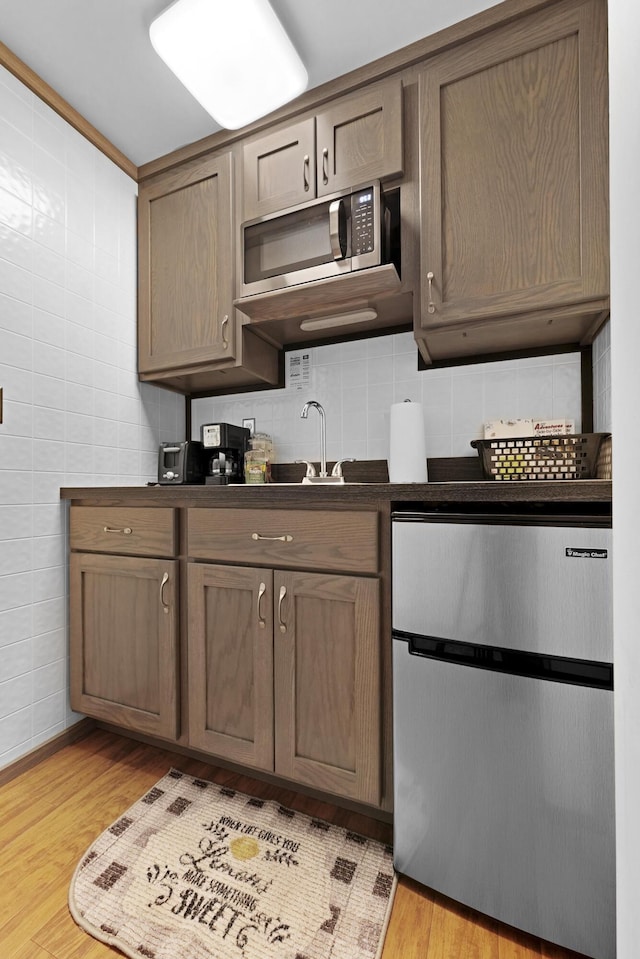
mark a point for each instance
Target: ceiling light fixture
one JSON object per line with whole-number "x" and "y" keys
{"x": 234, "y": 57}
{"x": 338, "y": 319}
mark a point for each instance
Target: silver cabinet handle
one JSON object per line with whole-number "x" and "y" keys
{"x": 281, "y": 624}
{"x": 224, "y": 331}
{"x": 431, "y": 307}
{"x": 305, "y": 173}
{"x": 325, "y": 165}
{"x": 125, "y": 531}
{"x": 338, "y": 229}
{"x": 273, "y": 539}
{"x": 261, "y": 591}
{"x": 165, "y": 580}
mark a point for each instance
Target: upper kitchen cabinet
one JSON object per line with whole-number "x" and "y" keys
{"x": 354, "y": 139}
{"x": 189, "y": 336}
{"x": 513, "y": 181}
{"x": 186, "y": 264}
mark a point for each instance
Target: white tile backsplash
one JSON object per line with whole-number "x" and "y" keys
{"x": 49, "y": 131}
{"x": 50, "y": 648}
{"x": 16, "y": 110}
{"x": 16, "y": 660}
{"x": 357, "y": 382}
{"x": 48, "y": 716}
{"x": 15, "y": 624}
{"x": 15, "y": 523}
{"x": 74, "y": 412}
{"x": 16, "y": 555}
{"x": 15, "y": 695}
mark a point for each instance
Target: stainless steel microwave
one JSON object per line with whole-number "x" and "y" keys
{"x": 327, "y": 237}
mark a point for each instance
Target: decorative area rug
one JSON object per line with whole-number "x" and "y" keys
{"x": 194, "y": 870}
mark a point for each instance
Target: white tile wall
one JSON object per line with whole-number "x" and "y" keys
{"x": 74, "y": 412}
{"x": 357, "y": 382}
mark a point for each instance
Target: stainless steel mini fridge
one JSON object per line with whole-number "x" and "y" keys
{"x": 503, "y": 718}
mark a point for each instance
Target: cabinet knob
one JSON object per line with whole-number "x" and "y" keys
{"x": 224, "y": 331}
{"x": 125, "y": 531}
{"x": 305, "y": 173}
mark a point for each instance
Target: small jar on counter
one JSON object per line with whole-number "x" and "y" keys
{"x": 258, "y": 459}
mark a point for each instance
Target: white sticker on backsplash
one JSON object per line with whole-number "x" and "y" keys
{"x": 298, "y": 371}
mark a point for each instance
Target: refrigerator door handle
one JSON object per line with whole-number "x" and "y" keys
{"x": 513, "y": 662}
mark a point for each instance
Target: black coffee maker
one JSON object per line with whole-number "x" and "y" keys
{"x": 223, "y": 449}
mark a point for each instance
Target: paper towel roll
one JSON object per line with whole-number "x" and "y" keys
{"x": 407, "y": 455}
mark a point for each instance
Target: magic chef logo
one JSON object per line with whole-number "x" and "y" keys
{"x": 579, "y": 552}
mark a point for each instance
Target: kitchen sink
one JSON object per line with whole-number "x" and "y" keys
{"x": 323, "y": 480}
{"x": 303, "y": 483}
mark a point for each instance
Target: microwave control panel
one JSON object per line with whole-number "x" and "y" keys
{"x": 362, "y": 226}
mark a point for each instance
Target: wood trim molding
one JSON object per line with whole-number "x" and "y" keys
{"x": 71, "y": 735}
{"x": 37, "y": 85}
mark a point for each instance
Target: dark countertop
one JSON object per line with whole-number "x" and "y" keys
{"x": 452, "y": 480}
{"x": 351, "y": 495}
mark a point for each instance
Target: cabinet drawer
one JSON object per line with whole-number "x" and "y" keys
{"x": 304, "y": 539}
{"x": 110, "y": 529}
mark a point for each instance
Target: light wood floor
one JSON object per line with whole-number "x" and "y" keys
{"x": 50, "y": 815}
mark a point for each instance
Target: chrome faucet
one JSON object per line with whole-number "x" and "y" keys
{"x": 323, "y": 433}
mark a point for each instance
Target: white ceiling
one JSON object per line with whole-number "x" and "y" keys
{"x": 98, "y": 56}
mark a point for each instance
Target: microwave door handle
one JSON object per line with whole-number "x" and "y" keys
{"x": 338, "y": 229}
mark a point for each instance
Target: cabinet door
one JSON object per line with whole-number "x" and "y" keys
{"x": 279, "y": 169}
{"x": 359, "y": 138}
{"x": 231, "y": 663}
{"x": 356, "y": 139}
{"x": 327, "y": 682}
{"x": 124, "y": 649}
{"x": 186, "y": 278}
{"x": 513, "y": 135}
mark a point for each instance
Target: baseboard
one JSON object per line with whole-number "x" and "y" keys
{"x": 68, "y": 736}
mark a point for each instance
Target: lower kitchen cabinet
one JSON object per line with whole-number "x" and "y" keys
{"x": 284, "y": 674}
{"x": 327, "y": 682}
{"x": 124, "y": 641}
{"x": 270, "y": 653}
{"x": 124, "y": 616}
{"x": 231, "y": 663}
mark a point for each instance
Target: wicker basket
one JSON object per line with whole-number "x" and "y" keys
{"x": 571, "y": 457}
